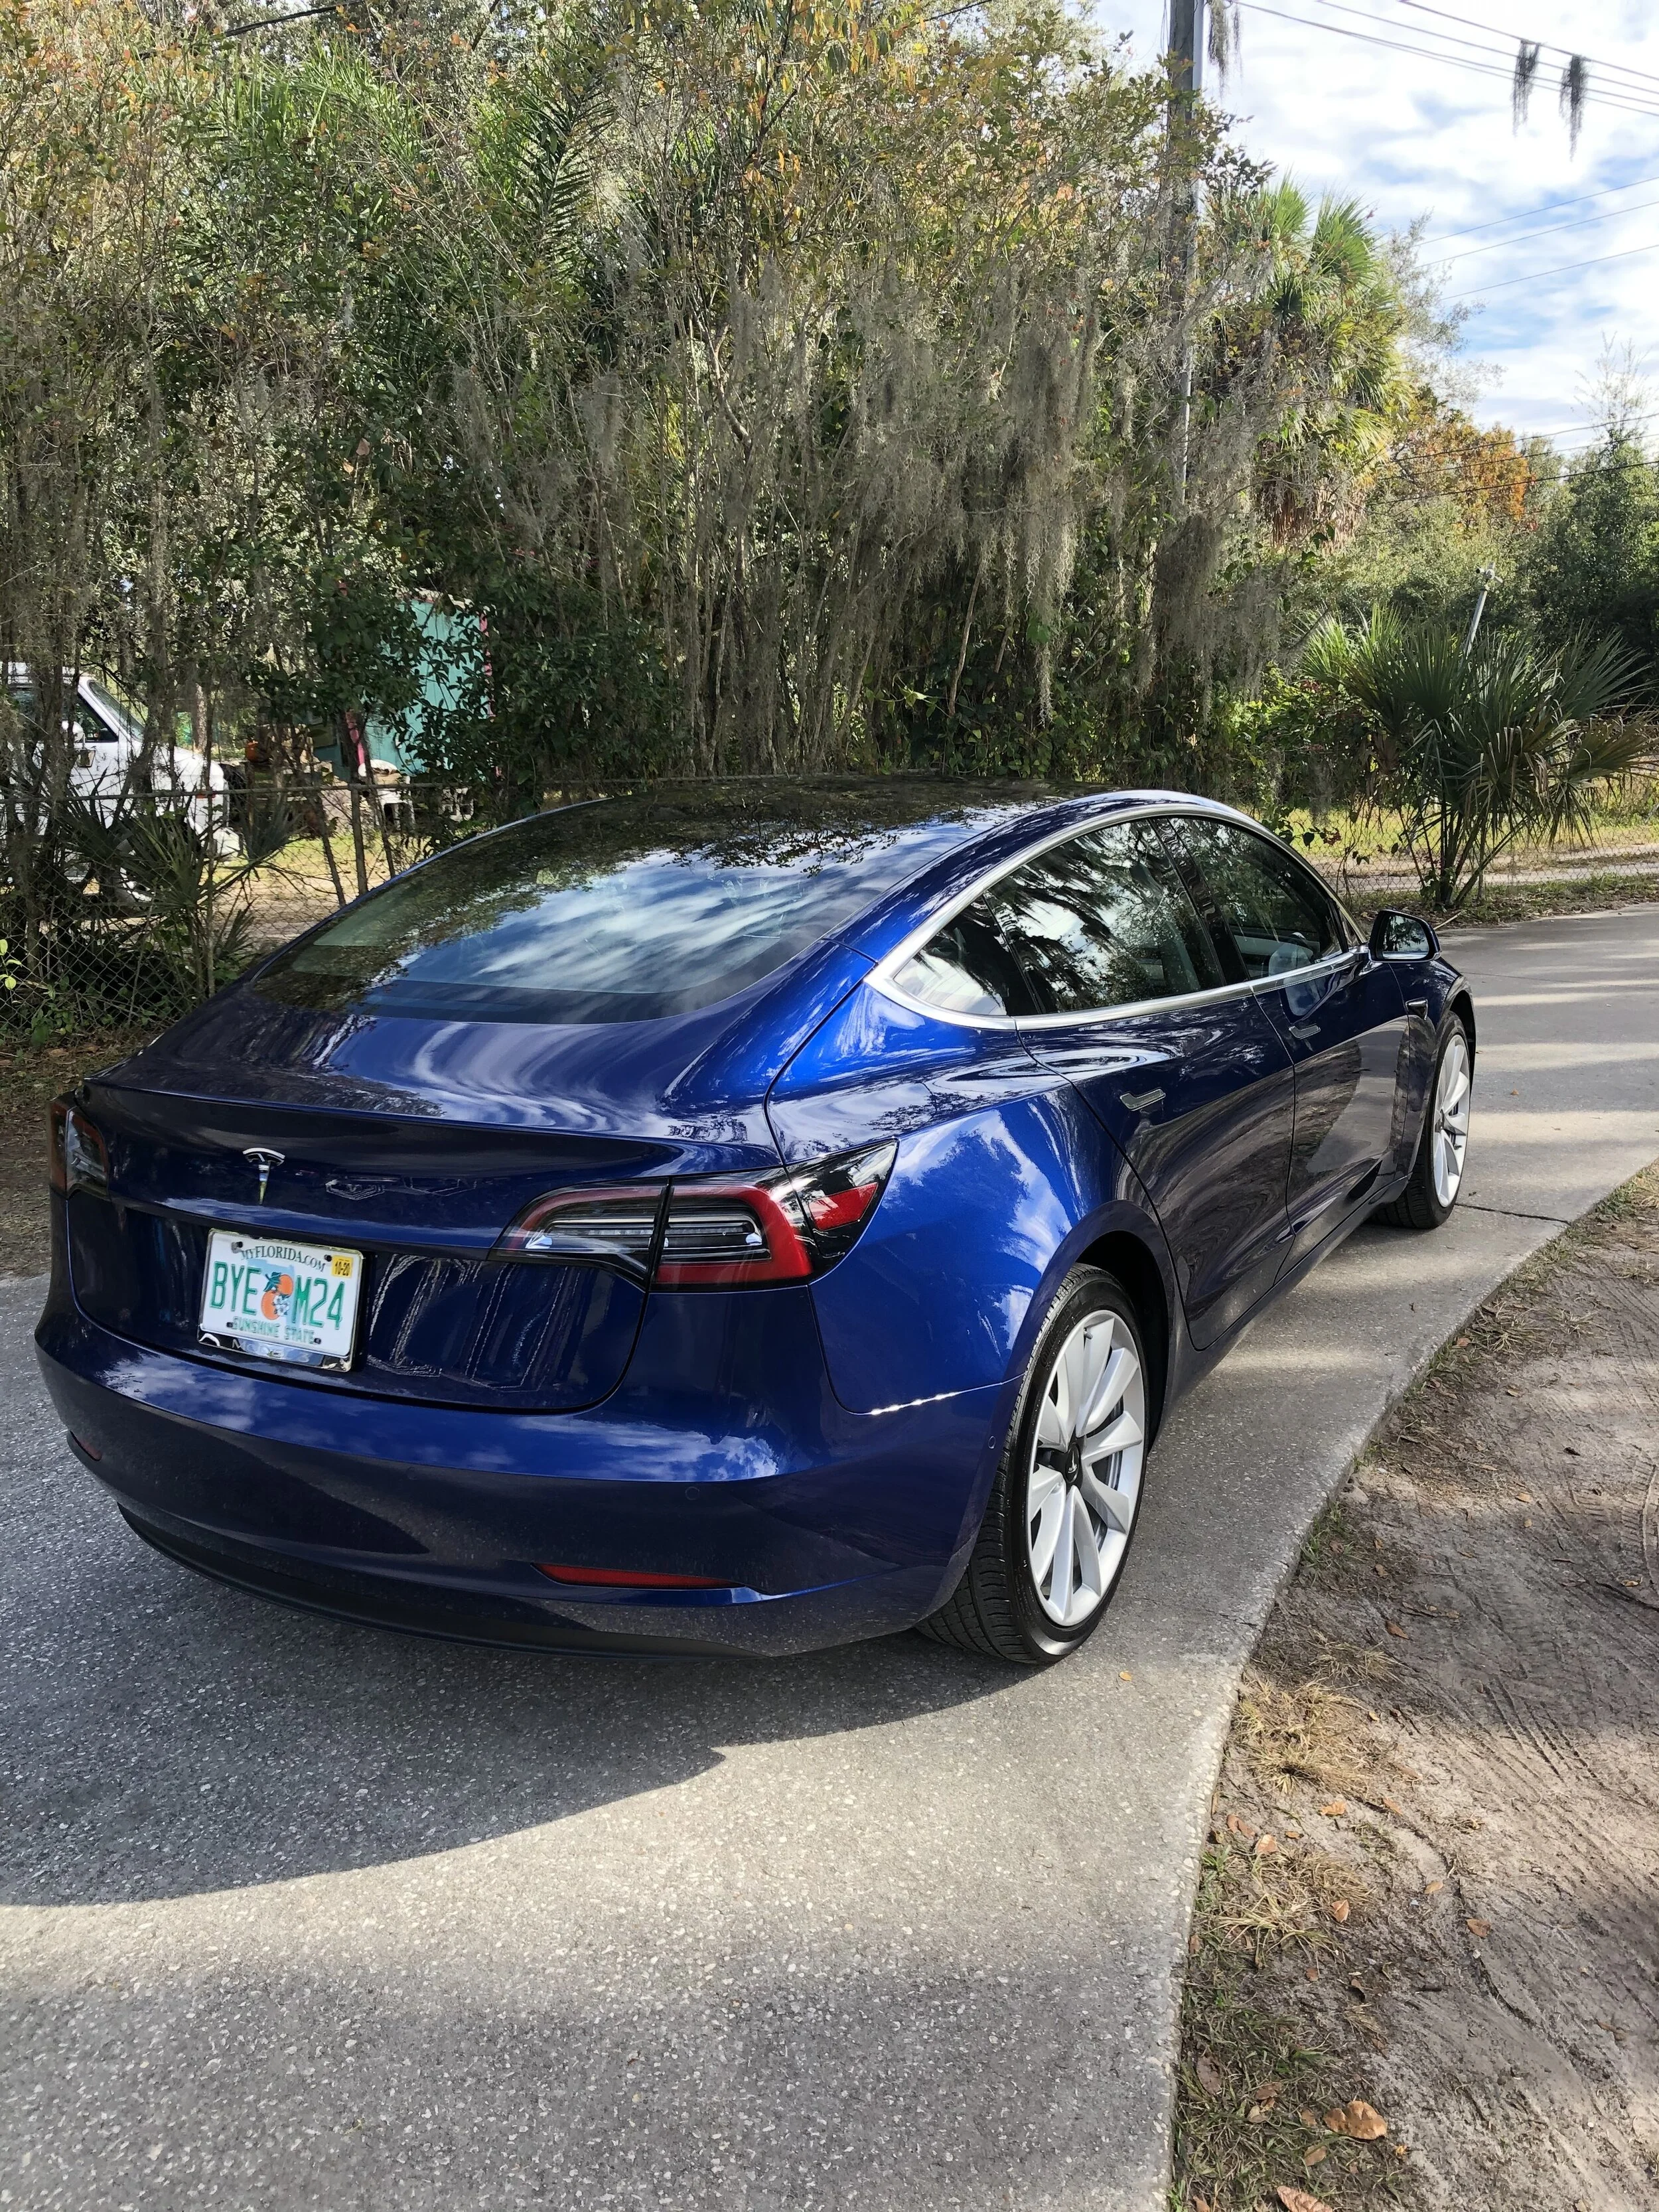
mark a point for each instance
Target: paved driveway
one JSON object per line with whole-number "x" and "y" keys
{"x": 298, "y": 1914}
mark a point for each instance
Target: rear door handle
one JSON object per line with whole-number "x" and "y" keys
{"x": 1305, "y": 1030}
{"x": 1138, "y": 1102}
{"x": 1417, "y": 1007}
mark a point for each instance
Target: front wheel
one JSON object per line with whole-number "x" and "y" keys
{"x": 1438, "y": 1172}
{"x": 1063, "y": 1508}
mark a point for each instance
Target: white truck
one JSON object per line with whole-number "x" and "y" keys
{"x": 108, "y": 757}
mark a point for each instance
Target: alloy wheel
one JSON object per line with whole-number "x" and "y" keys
{"x": 1451, "y": 1118}
{"x": 1085, "y": 1475}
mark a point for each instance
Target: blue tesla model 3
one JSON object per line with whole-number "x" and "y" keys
{"x": 740, "y": 1216}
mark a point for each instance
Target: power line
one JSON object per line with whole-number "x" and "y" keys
{"x": 1553, "y": 230}
{"x": 1440, "y": 238}
{"x": 1500, "y": 54}
{"x": 1562, "y": 269}
{"x": 1546, "y": 46}
{"x": 1430, "y": 53}
{"x": 276, "y": 22}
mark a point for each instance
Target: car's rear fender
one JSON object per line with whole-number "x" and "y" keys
{"x": 1003, "y": 1183}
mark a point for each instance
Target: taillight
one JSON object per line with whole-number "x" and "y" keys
{"x": 75, "y": 1159}
{"x": 716, "y": 1232}
{"x": 727, "y": 1233}
{"x": 621, "y": 1226}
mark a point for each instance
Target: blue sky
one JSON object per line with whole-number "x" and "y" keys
{"x": 1410, "y": 137}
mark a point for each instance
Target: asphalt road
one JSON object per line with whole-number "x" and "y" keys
{"x": 298, "y": 1914}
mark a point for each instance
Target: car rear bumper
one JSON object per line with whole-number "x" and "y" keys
{"x": 724, "y": 1454}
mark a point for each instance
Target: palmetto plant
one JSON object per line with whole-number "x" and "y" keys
{"x": 1478, "y": 746}
{"x": 189, "y": 882}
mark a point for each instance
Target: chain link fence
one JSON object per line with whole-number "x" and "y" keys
{"x": 140, "y": 908}
{"x": 1366, "y": 859}
{"x": 149, "y": 914}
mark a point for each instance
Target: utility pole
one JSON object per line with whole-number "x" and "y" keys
{"x": 1186, "y": 76}
{"x": 1186, "y": 46}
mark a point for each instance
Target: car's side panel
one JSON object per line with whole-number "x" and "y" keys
{"x": 1003, "y": 1179}
{"x": 1346, "y": 1029}
{"x": 1201, "y": 1099}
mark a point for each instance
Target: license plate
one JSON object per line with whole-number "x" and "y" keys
{"x": 282, "y": 1300}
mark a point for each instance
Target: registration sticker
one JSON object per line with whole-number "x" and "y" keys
{"x": 281, "y": 1300}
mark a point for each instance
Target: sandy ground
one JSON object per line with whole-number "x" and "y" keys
{"x": 1433, "y": 1880}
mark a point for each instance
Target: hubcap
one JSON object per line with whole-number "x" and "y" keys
{"x": 1451, "y": 1132}
{"x": 1085, "y": 1468}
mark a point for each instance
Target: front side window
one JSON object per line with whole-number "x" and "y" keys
{"x": 1101, "y": 920}
{"x": 1277, "y": 914}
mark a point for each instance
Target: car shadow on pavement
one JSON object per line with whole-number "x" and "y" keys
{"x": 168, "y": 1734}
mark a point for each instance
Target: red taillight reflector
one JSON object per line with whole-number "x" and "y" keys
{"x": 628, "y": 1578}
{"x": 82, "y": 1446}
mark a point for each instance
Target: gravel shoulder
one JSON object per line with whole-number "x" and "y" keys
{"x": 1431, "y": 1880}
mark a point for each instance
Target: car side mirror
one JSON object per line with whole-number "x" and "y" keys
{"x": 1396, "y": 936}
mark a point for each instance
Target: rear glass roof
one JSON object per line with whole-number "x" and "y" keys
{"x": 634, "y": 907}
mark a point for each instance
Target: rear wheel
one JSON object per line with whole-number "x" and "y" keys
{"x": 1438, "y": 1172}
{"x": 1063, "y": 1509}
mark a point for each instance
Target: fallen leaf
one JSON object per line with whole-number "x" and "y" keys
{"x": 1267, "y": 2093}
{"x": 1462, "y": 1340}
{"x": 1209, "y": 2075}
{"x": 1314, "y": 2157}
{"x": 1479, "y": 1928}
{"x": 1393, "y": 1628}
{"x": 1266, "y": 1846}
{"x": 1124, "y": 1675}
{"x": 1363, "y": 2122}
{"x": 1312, "y": 1973}
{"x": 1389, "y": 1806}
{"x": 1335, "y": 1809}
{"x": 1257, "y": 2113}
{"x": 1194, "y": 1942}
{"x": 1432, "y": 1888}
{"x": 1337, "y": 2121}
{"x": 1298, "y": 2200}
{"x": 1341, "y": 1909}
{"x": 1308, "y": 2118}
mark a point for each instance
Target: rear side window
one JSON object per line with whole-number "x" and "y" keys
{"x": 1278, "y": 915}
{"x": 1100, "y": 921}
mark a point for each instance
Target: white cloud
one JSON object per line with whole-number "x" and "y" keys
{"x": 1409, "y": 137}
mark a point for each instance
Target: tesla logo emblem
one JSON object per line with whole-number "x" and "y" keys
{"x": 264, "y": 1162}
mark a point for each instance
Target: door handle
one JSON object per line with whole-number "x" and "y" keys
{"x": 1138, "y": 1102}
{"x": 1305, "y": 1030}
{"x": 1417, "y": 1007}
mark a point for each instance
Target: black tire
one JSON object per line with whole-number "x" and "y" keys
{"x": 1420, "y": 1206}
{"x": 997, "y": 1608}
